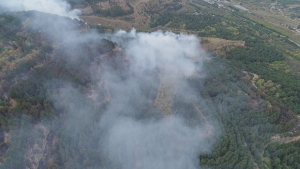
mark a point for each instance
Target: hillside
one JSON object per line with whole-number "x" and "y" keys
{"x": 216, "y": 93}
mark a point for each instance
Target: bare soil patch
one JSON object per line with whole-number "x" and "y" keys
{"x": 277, "y": 138}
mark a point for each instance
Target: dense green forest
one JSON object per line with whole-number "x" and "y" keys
{"x": 287, "y": 92}
{"x": 283, "y": 155}
{"x": 247, "y": 127}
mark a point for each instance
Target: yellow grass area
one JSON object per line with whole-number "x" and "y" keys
{"x": 13, "y": 103}
{"x": 164, "y": 100}
{"x": 116, "y": 23}
{"x": 219, "y": 45}
{"x": 166, "y": 91}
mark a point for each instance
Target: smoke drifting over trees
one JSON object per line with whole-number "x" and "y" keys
{"x": 128, "y": 115}
{"x": 58, "y": 7}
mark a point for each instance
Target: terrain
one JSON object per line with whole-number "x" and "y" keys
{"x": 58, "y": 96}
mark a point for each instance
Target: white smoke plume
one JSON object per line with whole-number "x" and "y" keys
{"x": 58, "y": 7}
{"x": 158, "y": 60}
{"x": 167, "y": 143}
{"x": 152, "y": 50}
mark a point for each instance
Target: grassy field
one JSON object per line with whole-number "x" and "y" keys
{"x": 284, "y": 31}
{"x": 109, "y": 22}
{"x": 276, "y": 17}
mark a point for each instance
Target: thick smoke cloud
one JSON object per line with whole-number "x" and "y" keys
{"x": 57, "y": 7}
{"x": 158, "y": 136}
{"x": 163, "y": 143}
{"x": 151, "y": 50}
{"x": 133, "y": 137}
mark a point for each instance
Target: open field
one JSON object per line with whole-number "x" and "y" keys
{"x": 116, "y": 23}
{"x": 272, "y": 16}
{"x": 284, "y": 31}
{"x": 219, "y": 45}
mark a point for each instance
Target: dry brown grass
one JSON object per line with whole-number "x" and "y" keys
{"x": 86, "y": 10}
{"x": 116, "y": 23}
{"x": 219, "y": 45}
{"x": 139, "y": 19}
{"x": 166, "y": 91}
{"x": 104, "y": 5}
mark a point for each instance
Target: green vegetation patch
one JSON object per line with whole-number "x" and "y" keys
{"x": 248, "y": 121}
{"x": 283, "y": 155}
{"x": 115, "y": 11}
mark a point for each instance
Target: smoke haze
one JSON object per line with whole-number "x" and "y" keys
{"x": 141, "y": 126}
{"x": 166, "y": 142}
{"x": 58, "y": 7}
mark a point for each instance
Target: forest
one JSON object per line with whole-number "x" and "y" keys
{"x": 283, "y": 155}
{"x": 33, "y": 70}
{"x": 277, "y": 85}
{"x": 115, "y": 11}
{"x": 257, "y": 56}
